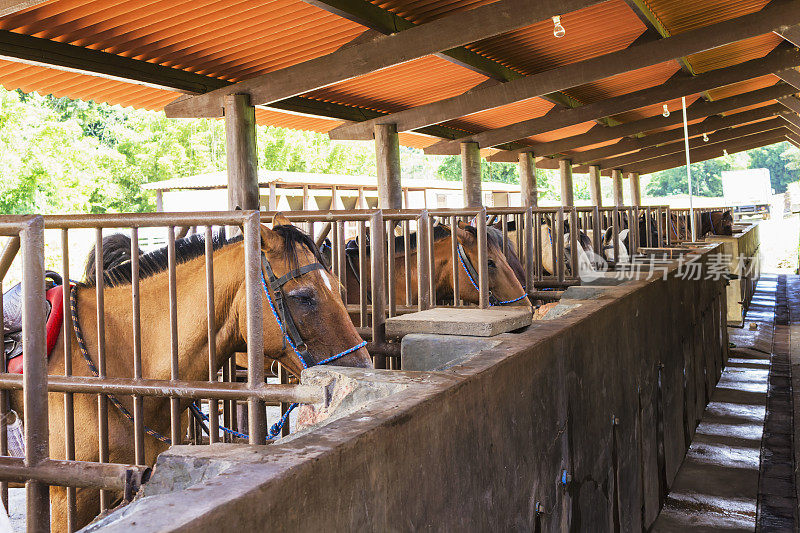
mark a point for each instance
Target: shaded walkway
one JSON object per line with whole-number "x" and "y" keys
{"x": 738, "y": 471}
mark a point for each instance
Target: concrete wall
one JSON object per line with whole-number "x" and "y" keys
{"x": 606, "y": 397}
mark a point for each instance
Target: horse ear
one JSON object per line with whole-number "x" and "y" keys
{"x": 462, "y": 224}
{"x": 269, "y": 239}
{"x": 280, "y": 220}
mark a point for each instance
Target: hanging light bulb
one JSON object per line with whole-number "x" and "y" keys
{"x": 705, "y": 137}
{"x": 725, "y": 153}
{"x": 558, "y": 29}
{"x": 666, "y": 111}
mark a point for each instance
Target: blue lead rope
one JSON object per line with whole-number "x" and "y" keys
{"x": 491, "y": 304}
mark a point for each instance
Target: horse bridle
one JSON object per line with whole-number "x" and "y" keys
{"x": 472, "y": 274}
{"x": 283, "y": 316}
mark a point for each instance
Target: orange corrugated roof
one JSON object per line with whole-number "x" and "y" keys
{"x": 238, "y": 39}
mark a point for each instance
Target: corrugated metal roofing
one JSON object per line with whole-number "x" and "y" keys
{"x": 238, "y": 39}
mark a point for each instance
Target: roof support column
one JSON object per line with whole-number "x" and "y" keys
{"x": 636, "y": 192}
{"x": 527, "y": 180}
{"x": 471, "y": 174}
{"x": 240, "y": 145}
{"x": 594, "y": 185}
{"x": 616, "y": 180}
{"x": 387, "y": 154}
{"x": 567, "y": 190}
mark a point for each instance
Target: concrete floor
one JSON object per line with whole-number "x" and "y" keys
{"x": 734, "y": 475}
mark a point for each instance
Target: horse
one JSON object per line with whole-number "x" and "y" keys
{"x": 311, "y": 297}
{"x": 504, "y": 285}
{"x": 716, "y": 223}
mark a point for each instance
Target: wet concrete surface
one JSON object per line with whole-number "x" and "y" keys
{"x": 734, "y": 476}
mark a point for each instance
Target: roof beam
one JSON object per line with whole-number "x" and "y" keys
{"x": 52, "y": 54}
{"x": 791, "y": 34}
{"x": 792, "y": 102}
{"x": 9, "y": 7}
{"x": 630, "y": 144}
{"x": 650, "y": 20}
{"x": 791, "y": 77}
{"x": 381, "y": 52}
{"x": 794, "y": 128}
{"x": 698, "y": 155}
{"x": 792, "y": 119}
{"x": 781, "y": 59}
{"x": 384, "y": 21}
{"x": 729, "y": 134}
{"x": 600, "y": 134}
{"x": 772, "y": 17}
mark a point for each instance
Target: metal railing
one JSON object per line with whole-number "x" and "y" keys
{"x": 37, "y": 469}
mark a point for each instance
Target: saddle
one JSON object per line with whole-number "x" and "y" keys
{"x": 12, "y": 319}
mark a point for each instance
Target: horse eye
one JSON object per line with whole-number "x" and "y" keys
{"x": 492, "y": 263}
{"x": 303, "y": 296}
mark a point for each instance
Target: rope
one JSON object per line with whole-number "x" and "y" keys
{"x": 491, "y": 303}
{"x": 73, "y": 305}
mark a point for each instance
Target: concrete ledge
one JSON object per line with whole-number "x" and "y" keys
{"x": 426, "y": 351}
{"x": 461, "y": 321}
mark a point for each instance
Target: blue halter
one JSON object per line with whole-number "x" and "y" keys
{"x": 472, "y": 274}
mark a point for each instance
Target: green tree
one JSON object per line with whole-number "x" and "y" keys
{"x": 779, "y": 159}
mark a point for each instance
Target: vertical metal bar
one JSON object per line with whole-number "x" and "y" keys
{"x": 362, "y": 273}
{"x": 376, "y": 230}
{"x": 102, "y": 400}
{"x": 257, "y": 420}
{"x": 573, "y": 242}
{"x": 37, "y": 439}
{"x": 616, "y": 222}
{"x": 335, "y": 249}
{"x": 341, "y": 259}
{"x": 138, "y": 408}
{"x": 391, "y": 268}
{"x": 668, "y": 229}
{"x": 431, "y": 264}
{"x": 423, "y": 262}
{"x": 648, "y": 213}
{"x": 597, "y": 241}
{"x": 213, "y": 405}
{"x": 174, "y": 403}
{"x": 560, "y": 243}
{"x": 283, "y": 378}
{"x": 483, "y": 260}
{"x": 407, "y": 256}
{"x": 69, "y": 402}
{"x": 537, "y": 243}
{"x": 504, "y": 225}
{"x": 456, "y": 263}
{"x": 528, "y": 247}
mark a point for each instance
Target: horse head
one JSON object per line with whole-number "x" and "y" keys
{"x": 305, "y": 298}
{"x": 503, "y": 282}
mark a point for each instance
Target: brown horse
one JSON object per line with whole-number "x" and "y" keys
{"x": 503, "y": 282}
{"x": 312, "y": 299}
{"x": 716, "y": 223}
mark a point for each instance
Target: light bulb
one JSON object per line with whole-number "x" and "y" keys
{"x": 558, "y": 29}
{"x": 705, "y": 137}
{"x": 725, "y": 153}
{"x": 666, "y": 111}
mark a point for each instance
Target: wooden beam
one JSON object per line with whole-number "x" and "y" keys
{"x": 768, "y": 19}
{"x": 791, "y": 34}
{"x": 791, "y": 126}
{"x": 384, "y": 21}
{"x": 791, "y": 76}
{"x": 630, "y": 144}
{"x": 725, "y": 135}
{"x": 794, "y": 141}
{"x": 676, "y": 88}
{"x": 384, "y": 51}
{"x": 9, "y": 7}
{"x": 792, "y": 119}
{"x": 705, "y": 153}
{"x": 791, "y": 102}
{"x": 700, "y": 109}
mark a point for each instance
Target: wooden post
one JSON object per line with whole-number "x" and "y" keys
{"x": 567, "y": 192}
{"x": 616, "y": 179}
{"x": 527, "y": 180}
{"x": 159, "y": 201}
{"x": 471, "y": 174}
{"x": 387, "y": 152}
{"x": 636, "y": 191}
{"x": 273, "y": 197}
{"x": 594, "y": 186}
{"x": 240, "y": 143}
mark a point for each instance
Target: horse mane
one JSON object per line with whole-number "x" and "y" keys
{"x": 186, "y": 249}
